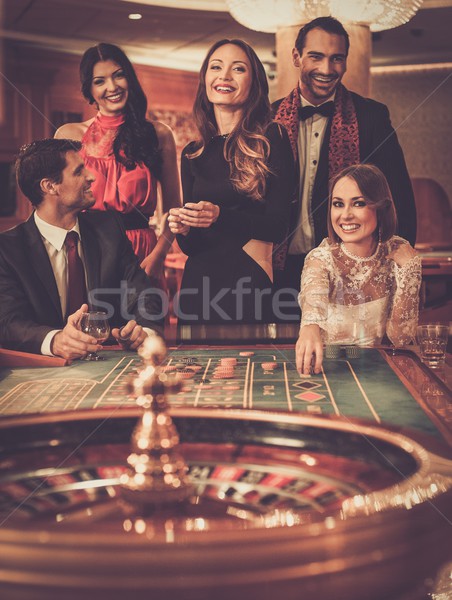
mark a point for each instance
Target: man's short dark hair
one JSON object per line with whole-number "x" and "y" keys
{"x": 42, "y": 159}
{"x": 328, "y": 24}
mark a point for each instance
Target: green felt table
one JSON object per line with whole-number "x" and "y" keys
{"x": 376, "y": 386}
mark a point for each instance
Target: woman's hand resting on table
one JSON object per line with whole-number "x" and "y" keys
{"x": 309, "y": 350}
{"x": 199, "y": 214}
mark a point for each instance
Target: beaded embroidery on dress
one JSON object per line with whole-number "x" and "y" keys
{"x": 357, "y": 300}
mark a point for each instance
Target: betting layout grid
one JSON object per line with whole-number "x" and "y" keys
{"x": 360, "y": 385}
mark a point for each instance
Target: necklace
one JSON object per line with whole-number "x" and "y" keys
{"x": 359, "y": 258}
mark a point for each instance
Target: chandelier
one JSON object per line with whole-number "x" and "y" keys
{"x": 270, "y": 15}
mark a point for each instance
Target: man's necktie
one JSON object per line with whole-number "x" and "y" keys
{"x": 76, "y": 288}
{"x": 324, "y": 109}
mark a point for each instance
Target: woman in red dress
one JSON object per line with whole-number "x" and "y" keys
{"x": 130, "y": 156}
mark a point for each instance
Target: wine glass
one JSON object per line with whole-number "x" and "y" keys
{"x": 96, "y": 324}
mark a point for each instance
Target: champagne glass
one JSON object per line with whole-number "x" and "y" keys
{"x": 95, "y": 324}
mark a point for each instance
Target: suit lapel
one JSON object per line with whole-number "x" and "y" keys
{"x": 323, "y": 168}
{"x": 319, "y": 199}
{"x": 40, "y": 263}
{"x": 320, "y": 191}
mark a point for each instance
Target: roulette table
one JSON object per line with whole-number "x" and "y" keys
{"x": 382, "y": 385}
{"x": 337, "y": 485}
{"x": 437, "y": 278}
{"x": 436, "y": 263}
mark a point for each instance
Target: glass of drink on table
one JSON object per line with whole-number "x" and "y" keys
{"x": 432, "y": 340}
{"x": 95, "y": 324}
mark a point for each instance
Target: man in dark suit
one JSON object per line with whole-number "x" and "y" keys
{"x": 331, "y": 128}
{"x": 37, "y": 311}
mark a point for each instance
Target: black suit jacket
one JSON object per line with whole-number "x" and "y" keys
{"x": 378, "y": 145}
{"x": 29, "y": 301}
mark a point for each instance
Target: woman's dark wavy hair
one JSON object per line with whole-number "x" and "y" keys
{"x": 375, "y": 189}
{"x": 246, "y": 149}
{"x": 136, "y": 140}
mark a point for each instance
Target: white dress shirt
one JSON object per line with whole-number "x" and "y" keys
{"x": 311, "y": 133}
{"x": 53, "y": 238}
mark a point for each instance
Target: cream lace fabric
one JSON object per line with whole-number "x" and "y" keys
{"x": 357, "y": 300}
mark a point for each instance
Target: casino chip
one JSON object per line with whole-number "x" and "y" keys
{"x": 352, "y": 352}
{"x": 332, "y": 351}
{"x": 269, "y": 366}
{"x": 246, "y": 353}
{"x": 188, "y": 360}
{"x": 195, "y": 366}
{"x": 185, "y": 373}
{"x": 229, "y": 360}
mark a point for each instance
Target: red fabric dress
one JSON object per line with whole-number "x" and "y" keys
{"x": 132, "y": 193}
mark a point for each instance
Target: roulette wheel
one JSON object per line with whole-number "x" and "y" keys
{"x": 212, "y": 503}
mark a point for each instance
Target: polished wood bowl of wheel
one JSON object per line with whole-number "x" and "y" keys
{"x": 283, "y": 505}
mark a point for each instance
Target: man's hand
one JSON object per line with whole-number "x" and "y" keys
{"x": 70, "y": 342}
{"x": 130, "y": 336}
{"x": 199, "y": 214}
{"x": 309, "y": 350}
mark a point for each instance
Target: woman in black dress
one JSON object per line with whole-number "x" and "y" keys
{"x": 238, "y": 182}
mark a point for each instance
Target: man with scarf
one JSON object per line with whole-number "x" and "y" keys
{"x": 331, "y": 128}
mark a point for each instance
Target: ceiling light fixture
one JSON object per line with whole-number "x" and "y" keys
{"x": 271, "y": 15}
{"x": 135, "y": 16}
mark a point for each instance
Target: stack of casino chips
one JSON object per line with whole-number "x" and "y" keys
{"x": 226, "y": 368}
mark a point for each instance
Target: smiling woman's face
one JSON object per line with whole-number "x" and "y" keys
{"x": 228, "y": 76}
{"x": 353, "y": 219}
{"x": 109, "y": 87}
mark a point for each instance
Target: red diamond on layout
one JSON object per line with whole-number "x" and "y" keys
{"x": 309, "y": 396}
{"x": 307, "y": 385}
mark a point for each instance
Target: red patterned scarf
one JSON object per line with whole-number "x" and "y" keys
{"x": 343, "y": 148}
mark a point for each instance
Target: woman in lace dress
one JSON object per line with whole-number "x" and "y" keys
{"x": 361, "y": 282}
{"x": 129, "y": 156}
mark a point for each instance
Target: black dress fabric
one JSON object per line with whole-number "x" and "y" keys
{"x": 221, "y": 282}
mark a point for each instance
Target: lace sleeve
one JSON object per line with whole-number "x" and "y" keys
{"x": 404, "y": 312}
{"x": 315, "y": 284}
